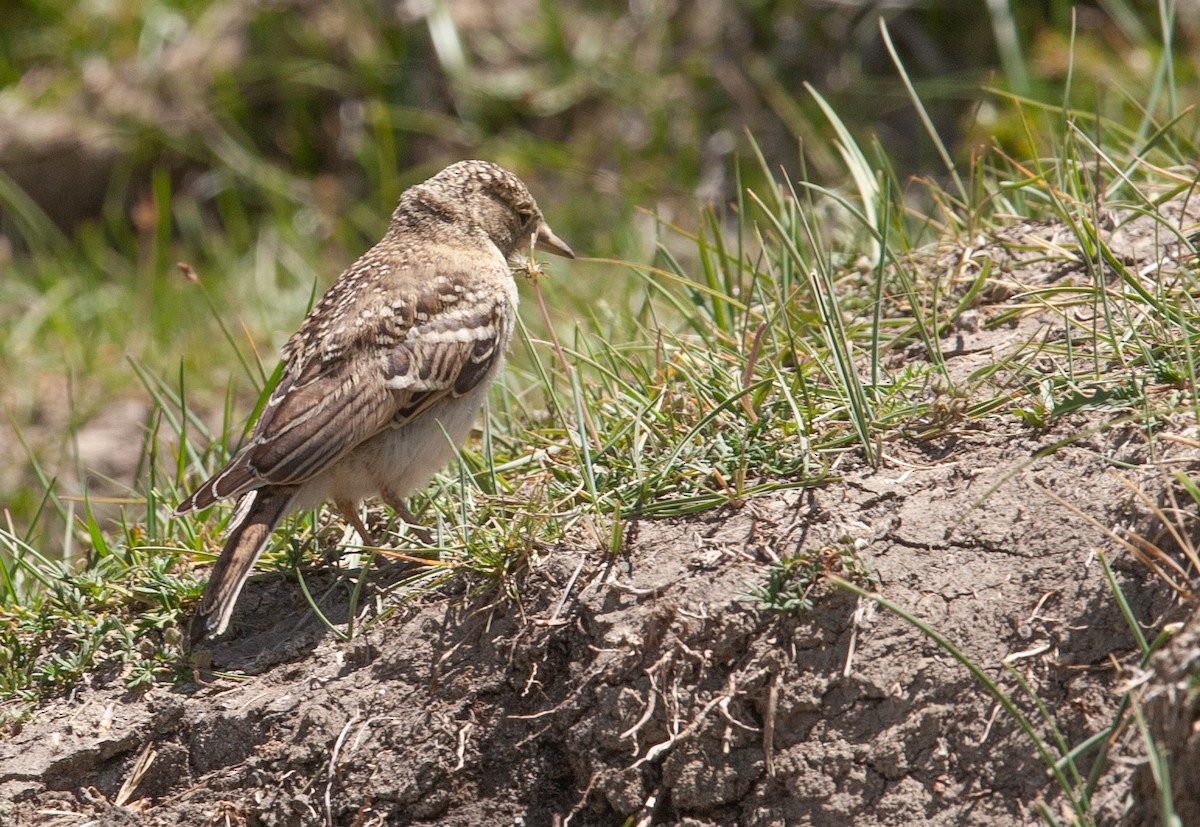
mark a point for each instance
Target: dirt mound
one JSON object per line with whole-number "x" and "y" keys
{"x": 648, "y": 686}
{"x": 1172, "y": 710}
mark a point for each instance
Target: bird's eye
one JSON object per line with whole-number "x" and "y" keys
{"x": 527, "y": 217}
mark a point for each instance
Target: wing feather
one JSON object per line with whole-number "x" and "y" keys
{"x": 382, "y": 366}
{"x": 448, "y": 358}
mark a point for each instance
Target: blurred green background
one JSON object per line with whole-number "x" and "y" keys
{"x": 265, "y": 144}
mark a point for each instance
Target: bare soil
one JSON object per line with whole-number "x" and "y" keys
{"x": 647, "y": 688}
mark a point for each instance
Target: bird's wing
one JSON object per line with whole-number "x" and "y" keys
{"x": 448, "y": 355}
{"x": 383, "y": 367}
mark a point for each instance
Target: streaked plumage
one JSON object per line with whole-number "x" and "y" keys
{"x": 398, "y": 354}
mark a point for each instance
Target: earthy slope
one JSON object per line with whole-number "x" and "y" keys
{"x": 648, "y": 688}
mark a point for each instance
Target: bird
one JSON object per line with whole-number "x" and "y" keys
{"x": 383, "y": 379}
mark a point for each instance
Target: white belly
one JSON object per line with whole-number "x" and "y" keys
{"x": 398, "y": 460}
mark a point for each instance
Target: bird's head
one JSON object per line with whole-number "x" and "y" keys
{"x": 493, "y": 201}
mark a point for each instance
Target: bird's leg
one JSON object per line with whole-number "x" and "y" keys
{"x": 398, "y": 505}
{"x": 347, "y": 510}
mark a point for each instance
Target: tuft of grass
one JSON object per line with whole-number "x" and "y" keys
{"x": 116, "y": 618}
{"x": 793, "y": 582}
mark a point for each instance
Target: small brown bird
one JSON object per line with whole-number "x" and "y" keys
{"x": 397, "y": 356}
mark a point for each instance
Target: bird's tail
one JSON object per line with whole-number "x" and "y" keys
{"x": 257, "y": 514}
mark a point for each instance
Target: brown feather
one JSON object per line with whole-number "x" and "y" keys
{"x": 262, "y": 511}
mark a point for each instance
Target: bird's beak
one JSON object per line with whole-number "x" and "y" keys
{"x": 546, "y": 241}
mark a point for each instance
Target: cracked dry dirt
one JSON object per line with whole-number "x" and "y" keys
{"x": 647, "y": 692}
{"x": 647, "y": 689}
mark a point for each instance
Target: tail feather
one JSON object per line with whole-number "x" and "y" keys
{"x": 258, "y": 512}
{"x": 231, "y": 481}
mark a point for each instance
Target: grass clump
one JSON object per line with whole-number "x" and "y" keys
{"x": 115, "y": 618}
{"x": 793, "y": 581}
